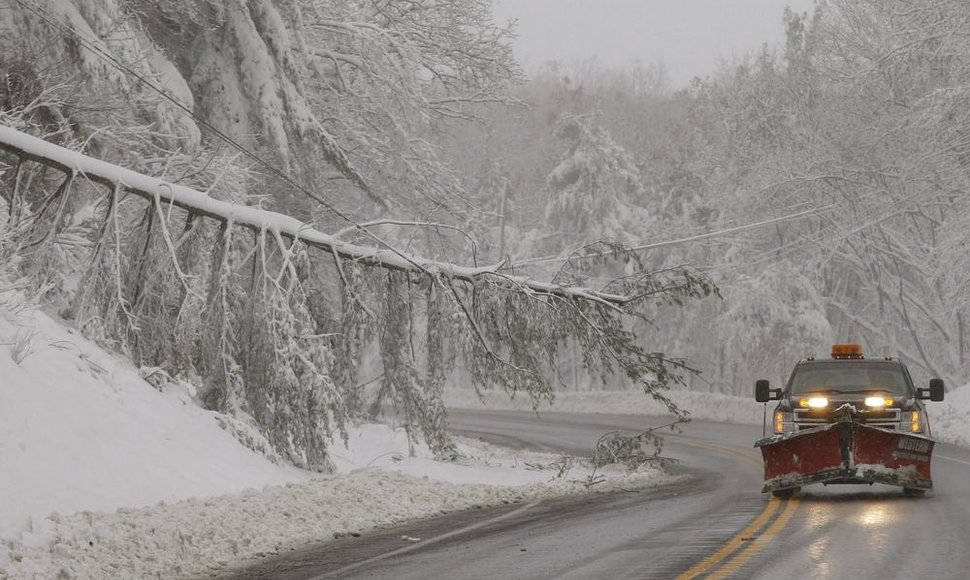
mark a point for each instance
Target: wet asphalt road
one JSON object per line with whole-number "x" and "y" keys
{"x": 717, "y": 524}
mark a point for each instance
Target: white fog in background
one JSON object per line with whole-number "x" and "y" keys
{"x": 690, "y": 37}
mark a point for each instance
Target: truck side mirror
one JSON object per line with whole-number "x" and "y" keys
{"x": 934, "y": 393}
{"x": 936, "y": 389}
{"x": 764, "y": 393}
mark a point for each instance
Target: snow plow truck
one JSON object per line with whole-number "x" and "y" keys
{"x": 848, "y": 419}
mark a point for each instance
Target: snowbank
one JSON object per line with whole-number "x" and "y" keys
{"x": 104, "y": 475}
{"x": 708, "y": 406}
{"x": 192, "y": 537}
{"x": 950, "y": 419}
{"x": 80, "y": 430}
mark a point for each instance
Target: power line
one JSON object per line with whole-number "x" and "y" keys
{"x": 666, "y": 243}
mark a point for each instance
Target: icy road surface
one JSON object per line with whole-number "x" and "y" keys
{"x": 717, "y": 525}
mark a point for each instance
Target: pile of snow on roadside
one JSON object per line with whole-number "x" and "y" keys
{"x": 950, "y": 419}
{"x": 104, "y": 475}
{"x": 80, "y": 430}
{"x": 196, "y": 536}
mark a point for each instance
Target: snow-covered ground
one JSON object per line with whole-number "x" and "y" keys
{"x": 950, "y": 419}
{"x": 103, "y": 475}
{"x": 81, "y": 431}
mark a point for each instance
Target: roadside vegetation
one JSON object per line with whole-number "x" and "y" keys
{"x": 531, "y": 234}
{"x": 302, "y": 252}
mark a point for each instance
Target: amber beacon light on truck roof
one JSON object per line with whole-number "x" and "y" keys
{"x": 847, "y": 351}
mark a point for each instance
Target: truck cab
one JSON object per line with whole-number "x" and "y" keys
{"x": 880, "y": 390}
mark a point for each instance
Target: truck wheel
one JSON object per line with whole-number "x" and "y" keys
{"x": 913, "y": 492}
{"x": 784, "y": 493}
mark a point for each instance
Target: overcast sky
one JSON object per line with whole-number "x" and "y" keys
{"x": 689, "y": 36}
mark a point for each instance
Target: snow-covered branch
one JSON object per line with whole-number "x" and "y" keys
{"x": 28, "y": 147}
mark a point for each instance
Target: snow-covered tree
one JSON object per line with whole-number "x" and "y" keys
{"x": 342, "y": 95}
{"x": 591, "y": 188}
{"x": 861, "y": 123}
{"x": 239, "y": 310}
{"x": 346, "y": 96}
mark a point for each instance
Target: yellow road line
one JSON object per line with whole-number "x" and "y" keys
{"x": 734, "y": 543}
{"x": 759, "y": 543}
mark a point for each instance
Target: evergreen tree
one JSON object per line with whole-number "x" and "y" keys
{"x": 591, "y": 187}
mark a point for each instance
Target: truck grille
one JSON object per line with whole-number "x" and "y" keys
{"x": 883, "y": 418}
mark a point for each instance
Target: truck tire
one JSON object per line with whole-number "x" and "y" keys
{"x": 785, "y": 493}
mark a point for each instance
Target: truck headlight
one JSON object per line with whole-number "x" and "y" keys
{"x": 818, "y": 402}
{"x": 878, "y": 401}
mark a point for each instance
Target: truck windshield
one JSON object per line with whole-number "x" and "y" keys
{"x": 849, "y": 377}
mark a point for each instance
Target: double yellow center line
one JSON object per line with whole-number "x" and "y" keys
{"x": 751, "y": 540}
